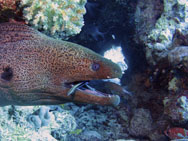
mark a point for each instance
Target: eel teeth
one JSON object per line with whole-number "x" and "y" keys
{"x": 73, "y": 89}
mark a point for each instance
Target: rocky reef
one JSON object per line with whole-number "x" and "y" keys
{"x": 65, "y": 122}
{"x": 153, "y": 37}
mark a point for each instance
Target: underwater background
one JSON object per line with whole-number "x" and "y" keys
{"x": 148, "y": 39}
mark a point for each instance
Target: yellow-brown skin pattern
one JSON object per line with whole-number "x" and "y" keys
{"x": 41, "y": 66}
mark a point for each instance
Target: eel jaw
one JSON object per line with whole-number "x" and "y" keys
{"x": 82, "y": 92}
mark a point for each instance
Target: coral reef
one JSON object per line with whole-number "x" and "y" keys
{"x": 178, "y": 57}
{"x": 27, "y": 127}
{"x": 65, "y": 122}
{"x": 145, "y": 17}
{"x": 92, "y": 118}
{"x": 8, "y": 4}
{"x": 19, "y": 129}
{"x": 174, "y": 17}
{"x": 60, "y": 18}
{"x": 161, "y": 38}
{"x": 164, "y": 36}
{"x": 40, "y": 118}
{"x": 163, "y": 30}
{"x": 176, "y": 108}
{"x": 172, "y": 84}
{"x": 155, "y": 108}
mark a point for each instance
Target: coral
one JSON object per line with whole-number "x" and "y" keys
{"x": 89, "y": 119}
{"x": 163, "y": 31}
{"x": 35, "y": 120}
{"x": 178, "y": 57}
{"x": 172, "y": 84}
{"x": 40, "y": 118}
{"x": 60, "y": 18}
{"x": 183, "y": 102}
{"x": 8, "y": 4}
{"x": 162, "y": 26}
{"x": 93, "y": 123}
{"x": 161, "y": 38}
{"x": 174, "y": 17}
{"x": 176, "y": 108}
{"x": 67, "y": 124}
{"x": 115, "y": 54}
{"x": 15, "y": 126}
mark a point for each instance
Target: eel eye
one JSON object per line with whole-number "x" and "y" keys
{"x": 95, "y": 66}
{"x": 7, "y": 74}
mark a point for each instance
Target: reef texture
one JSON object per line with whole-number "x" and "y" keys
{"x": 176, "y": 108}
{"x": 65, "y": 122}
{"x": 141, "y": 123}
{"x": 8, "y": 4}
{"x": 60, "y": 18}
{"x": 57, "y": 18}
{"x": 162, "y": 85}
{"x": 162, "y": 31}
{"x": 174, "y": 17}
{"x": 145, "y": 17}
{"x": 156, "y": 106}
{"x": 164, "y": 36}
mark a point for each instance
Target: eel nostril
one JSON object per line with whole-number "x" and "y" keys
{"x": 7, "y": 73}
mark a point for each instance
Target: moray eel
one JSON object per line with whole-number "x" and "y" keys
{"x": 38, "y": 70}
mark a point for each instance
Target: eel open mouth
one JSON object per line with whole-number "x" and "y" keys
{"x": 84, "y": 87}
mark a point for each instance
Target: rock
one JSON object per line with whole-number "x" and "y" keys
{"x": 178, "y": 57}
{"x": 101, "y": 120}
{"x": 161, "y": 28}
{"x": 141, "y": 123}
{"x": 146, "y": 15}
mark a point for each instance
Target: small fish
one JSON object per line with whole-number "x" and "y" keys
{"x": 38, "y": 70}
{"x": 73, "y": 89}
{"x": 113, "y": 36}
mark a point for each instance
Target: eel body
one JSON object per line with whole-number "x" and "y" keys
{"x": 38, "y": 70}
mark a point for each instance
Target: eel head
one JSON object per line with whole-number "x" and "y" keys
{"x": 38, "y": 70}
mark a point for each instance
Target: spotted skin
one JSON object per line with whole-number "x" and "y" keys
{"x": 35, "y": 68}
